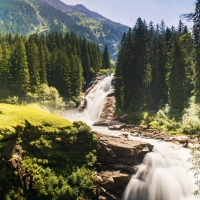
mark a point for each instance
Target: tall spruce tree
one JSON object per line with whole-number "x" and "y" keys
{"x": 33, "y": 64}
{"x": 105, "y": 58}
{"x": 196, "y": 32}
{"x": 141, "y": 66}
{"x": 20, "y": 71}
{"x": 5, "y": 76}
{"x": 44, "y": 58}
{"x": 176, "y": 75}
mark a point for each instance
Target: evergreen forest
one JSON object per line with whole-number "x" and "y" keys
{"x": 158, "y": 68}
{"x": 30, "y": 65}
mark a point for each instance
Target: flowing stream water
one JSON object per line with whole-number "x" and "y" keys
{"x": 164, "y": 174}
{"x": 95, "y": 100}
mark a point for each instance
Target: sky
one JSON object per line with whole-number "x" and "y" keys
{"x": 127, "y": 11}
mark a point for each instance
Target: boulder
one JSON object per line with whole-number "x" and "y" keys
{"x": 101, "y": 123}
{"x": 113, "y": 184}
{"x": 123, "y": 118}
{"x": 117, "y": 127}
{"x": 108, "y": 110}
{"x": 121, "y": 153}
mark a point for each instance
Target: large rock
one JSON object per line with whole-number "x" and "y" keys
{"x": 108, "y": 110}
{"x": 118, "y": 158}
{"x": 113, "y": 184}
{"x": 115, "y": 151}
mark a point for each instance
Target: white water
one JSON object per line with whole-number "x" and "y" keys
{"x": 95, "y": 100}
{"x": 164, "y": 175}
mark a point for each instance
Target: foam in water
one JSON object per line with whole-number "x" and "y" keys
{"x": 162, "y": 176}
{"x": 95, "y": 100}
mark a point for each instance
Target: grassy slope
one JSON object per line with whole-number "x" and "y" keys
{"x": 58, "y": 152}
{"x": 12, "y": 117}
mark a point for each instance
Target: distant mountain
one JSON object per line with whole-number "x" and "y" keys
{"x": 43, "y": 16}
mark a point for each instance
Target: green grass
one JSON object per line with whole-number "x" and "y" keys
{"x": 13, "y": 117}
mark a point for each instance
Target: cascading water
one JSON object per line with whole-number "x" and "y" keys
{"x": 163, "y": 174}
{"x": 95, "y": 100}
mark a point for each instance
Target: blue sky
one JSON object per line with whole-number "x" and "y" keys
{"x": 127, "y": 11}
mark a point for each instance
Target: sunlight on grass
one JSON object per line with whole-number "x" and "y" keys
{"x": 13, "y": 117}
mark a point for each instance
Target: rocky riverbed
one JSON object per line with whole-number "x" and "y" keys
{"x": 143, "y": 131}
{"x": 118, "y": 159}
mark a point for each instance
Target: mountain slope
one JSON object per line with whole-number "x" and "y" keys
{"x": 43, "y": 16}
{"x": 105, "y": 30}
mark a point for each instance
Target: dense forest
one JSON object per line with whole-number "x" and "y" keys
{"x": 158, "y": 68}
{"x": 156, "y": 65}
{"x": 29, "y": 65}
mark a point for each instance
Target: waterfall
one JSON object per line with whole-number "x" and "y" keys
{"x": 162, "y": 176}
{"x": 164, "y": 173}
{"x": 95, "y": 100}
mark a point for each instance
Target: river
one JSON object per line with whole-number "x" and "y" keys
{"x": 164, "y": 174}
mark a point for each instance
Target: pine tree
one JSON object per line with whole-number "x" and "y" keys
{"x": 105, "y": 58}
{"x": 141, "y": 66}
{"x": 196, "y": 33}
{"x": 5, "y": 76}
{"x": 33, "y": 63}
{"x": 119, "y": 85}
{"x": 19, "y": 70}
{"x": 44, "y": 58}
{"x": 176, "y": 75}
{"x": 85, "y": 60}
{"x": 76, "y": 76}
{"x": 181, "y": 27}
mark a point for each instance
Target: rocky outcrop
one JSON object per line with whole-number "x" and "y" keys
{"x": 13, "y": 152}
{"x": 118, "y": 158}
{"x": 108, "y": 110}
{"x": 82, "y": 104}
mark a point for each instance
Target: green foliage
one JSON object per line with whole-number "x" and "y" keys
{"x": 30, "y": 16}
{"x": 186, "y": 121}
{"x": 12, "y": 117}
{"x": 41, "y": 67}
{"x": 195, "y": 159}
{"x": 105, "y": 58}
{"x": 140, "y": 118}
{"x": 156, "y": 66}
{"x": 61, "y": 155}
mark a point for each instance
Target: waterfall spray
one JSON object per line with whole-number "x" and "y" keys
{"x": 95, "y": 100}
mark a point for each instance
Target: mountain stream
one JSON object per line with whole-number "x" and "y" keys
{"x": 164, "y": 174}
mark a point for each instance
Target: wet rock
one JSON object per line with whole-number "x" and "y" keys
{"x": 131, "y": 169}
{"x": 123, "y": 118}
{"x": 121, "y": 153}
{"x": 101, "y": 123}
{"x": 111, "y": 93}
{"x": 110, "y": 196}
{"x": 82, "y": 104}
{"x": 108, "y": 110}
{"x": 181, "y": 139}
{"x": 125, "y": 134}
{"x": 117, "y": 127}
{"x": 135, "y": 134}
{"x": 113, "y": 183}
{"x": 111, "y": 153}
